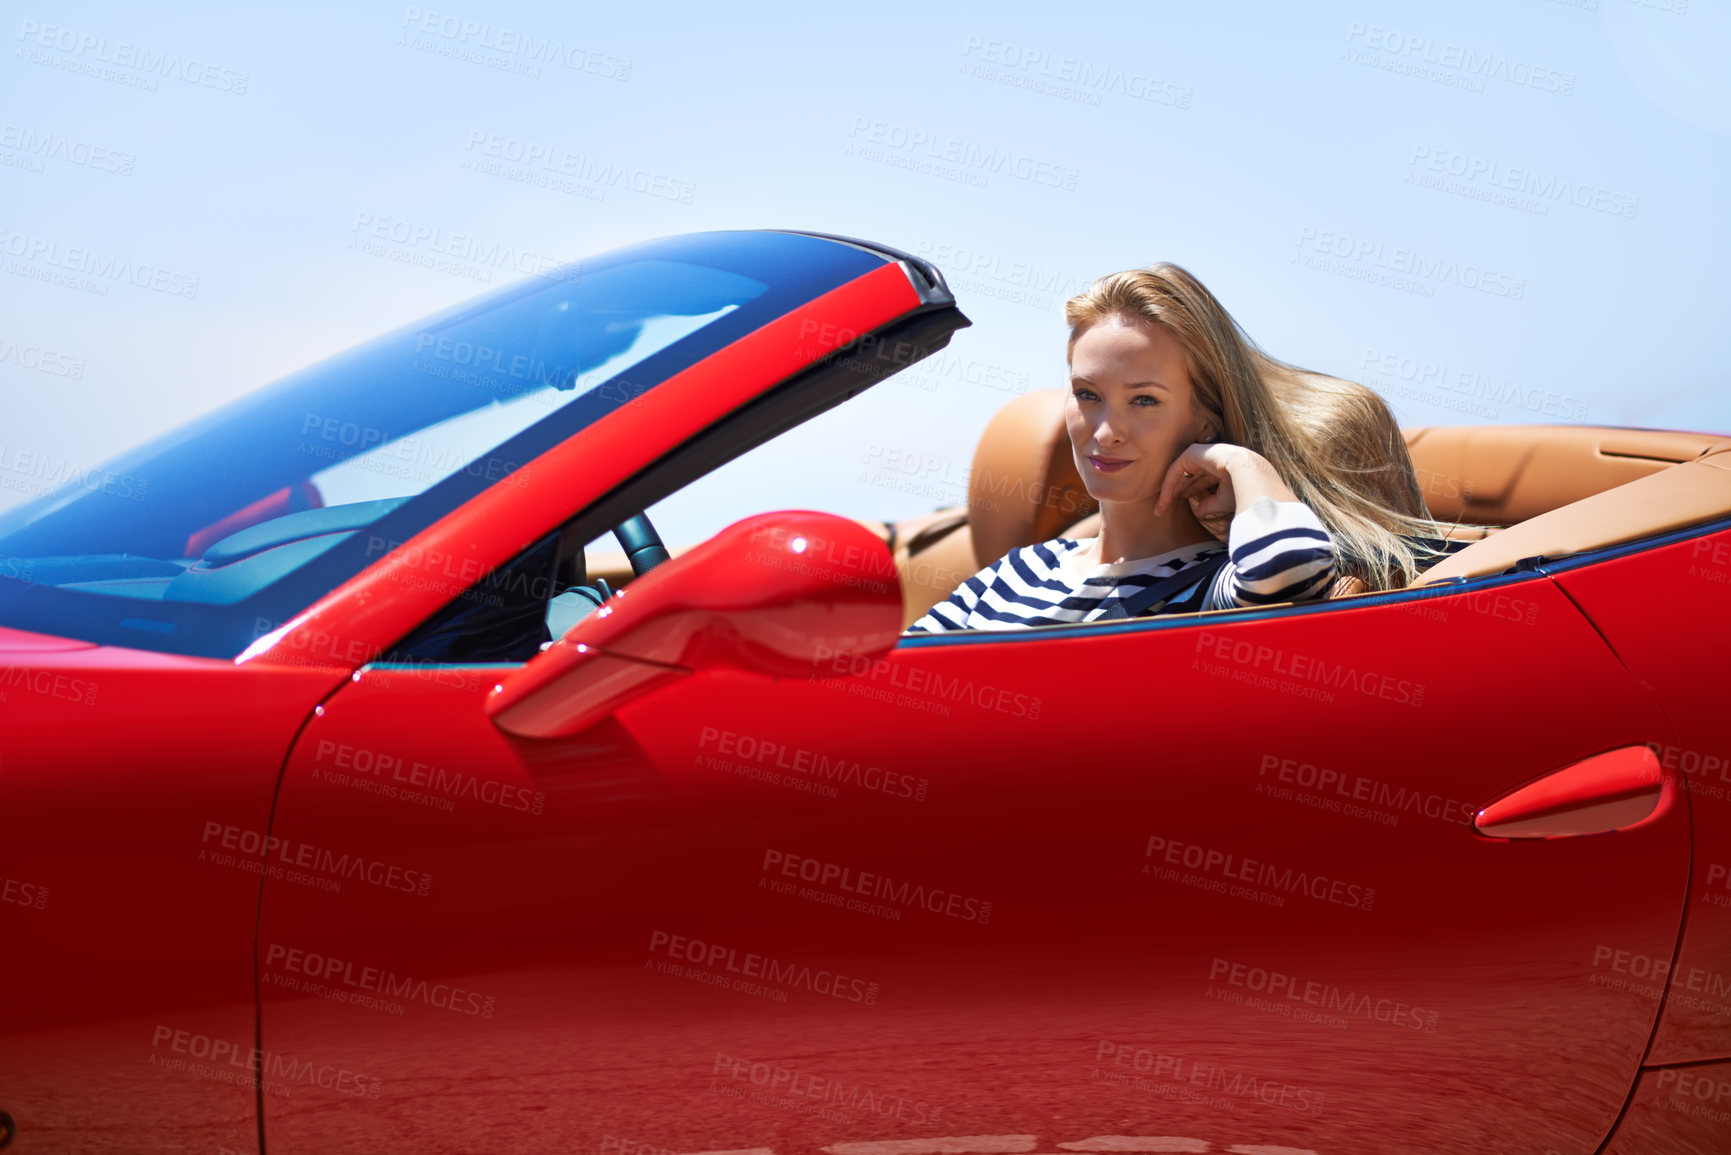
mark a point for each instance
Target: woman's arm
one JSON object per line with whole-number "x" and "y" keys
{"x": 1238, "y": 475}
{"x": 1280, "y": 551}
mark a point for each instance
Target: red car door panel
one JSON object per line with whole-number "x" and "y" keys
{"x": 1644, "y": 603}
{"x": 1213, "y": 879}
{"x": 1678, "y": 1111}
{"x": 136, "y": 790}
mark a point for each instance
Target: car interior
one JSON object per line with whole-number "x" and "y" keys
{"x": 1504, "y": 493}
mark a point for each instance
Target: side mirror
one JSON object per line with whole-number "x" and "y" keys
{"x": 773, "y": 594}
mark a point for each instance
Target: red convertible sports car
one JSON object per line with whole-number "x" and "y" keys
{"x": 357, "y": 799}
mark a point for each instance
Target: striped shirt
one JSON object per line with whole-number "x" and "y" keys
{"x": 1278, "y": 552}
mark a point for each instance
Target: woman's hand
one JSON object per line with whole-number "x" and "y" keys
{"x": 1214, "y": 508}
{"x": 1220, "y": 481}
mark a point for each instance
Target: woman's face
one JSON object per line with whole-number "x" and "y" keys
{"x": 1130, "y": 411}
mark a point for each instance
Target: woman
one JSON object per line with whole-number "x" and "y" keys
{"x": 1178, "y": 422}
{"x": 1352, "y": 431}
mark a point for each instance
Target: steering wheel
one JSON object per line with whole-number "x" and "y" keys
{"x": 642, "y": 545}
{"x": 643, "y": 549}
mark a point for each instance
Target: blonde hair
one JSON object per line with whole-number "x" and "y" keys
{"x": 1335, "y": 443}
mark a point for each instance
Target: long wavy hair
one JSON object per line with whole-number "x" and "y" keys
{"x": 1335, "y": 443}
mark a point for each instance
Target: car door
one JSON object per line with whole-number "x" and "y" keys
{"x": 1201, "y": 882}
{"x": 1661, "y": 603}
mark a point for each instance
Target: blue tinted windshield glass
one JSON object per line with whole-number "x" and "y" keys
{"x": 200, "y": 539}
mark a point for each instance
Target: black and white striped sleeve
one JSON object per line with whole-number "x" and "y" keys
{"x": 953, "y": 612}
{"x": 1279, "y": 551}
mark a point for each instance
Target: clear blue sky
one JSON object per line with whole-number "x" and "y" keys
{"x": 1498, "y": 211}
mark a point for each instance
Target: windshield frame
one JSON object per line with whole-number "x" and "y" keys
{"x": 796, "y": 268}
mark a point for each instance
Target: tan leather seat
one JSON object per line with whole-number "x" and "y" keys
{"x": 1022, "y": 488}
{"x": 934, "y": 553}
{"x": 1504, "y": 474}
{"x": 1673, "y": 497}
{"x": 1345, "y": 586}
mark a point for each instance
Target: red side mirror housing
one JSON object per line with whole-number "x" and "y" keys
{"x": 780, "y": 594}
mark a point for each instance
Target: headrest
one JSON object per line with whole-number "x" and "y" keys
{"x": 1024, "y": 487}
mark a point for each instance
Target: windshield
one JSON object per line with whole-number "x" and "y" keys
{"x": 201, "y": 539}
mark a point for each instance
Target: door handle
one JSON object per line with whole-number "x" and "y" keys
{"x": 1609, "y": 791}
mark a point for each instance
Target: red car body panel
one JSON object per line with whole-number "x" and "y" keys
{"x": 1677, "y": 1111}
{"x": 25, "y": 642}
{"x": 616, "y": 911}
{"x": 886, "y": 899}
{"x": 128, "y": 915}
{"x": 1647, "y": 629}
